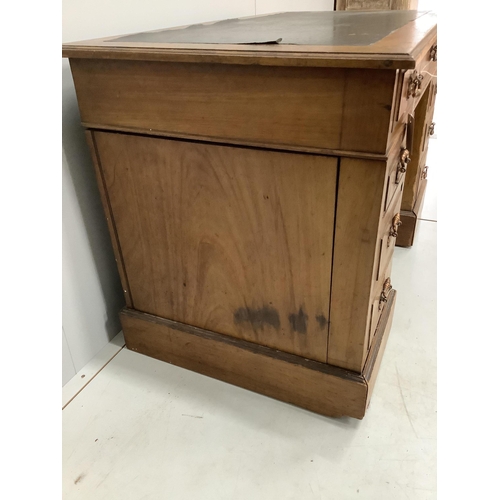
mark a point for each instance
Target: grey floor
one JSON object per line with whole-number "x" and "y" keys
{"x": 143, "y": 429}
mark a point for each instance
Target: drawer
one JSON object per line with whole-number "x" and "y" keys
{"x": 422, "y": 129}
{"x": 387, "y": 234}
{"x": 397, "y": 165}
{"x": 429, "y": 115}
{"x": 381, "y": 292}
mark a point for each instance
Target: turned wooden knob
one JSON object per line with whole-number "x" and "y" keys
{"x": 431, "y": 128}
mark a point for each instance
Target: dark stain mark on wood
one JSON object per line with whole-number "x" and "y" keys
{"x": 258, "y": 318}
{"x": 298, "y": 321}
{"x": 322, "y": 322}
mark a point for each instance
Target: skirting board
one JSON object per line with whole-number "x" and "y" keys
{"x": 315, "y": 386}
{"x": 76, "y": 385}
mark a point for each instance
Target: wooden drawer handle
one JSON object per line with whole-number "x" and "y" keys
{"x": 434, "y": 52}
{"x": 431, "y": 128}
{"x": 385, "y": 293}
{"x": 404, "y": 159}
{"x": 414, "y": 87}
{"x": 396, "y": 222}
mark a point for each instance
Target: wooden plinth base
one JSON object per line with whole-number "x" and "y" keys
{"x": 409, "y": 219}
{"x": 316, "y": 386}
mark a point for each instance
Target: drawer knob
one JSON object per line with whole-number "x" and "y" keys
{"x": 431, "y": 128}
{"x": 404, "y": 159}
{"x": 396, "y": 222}
{"x": 414, "y": 86}
{"x": 424, "y": 172}
{"x": 434, "y": 52}
{"x": 385, "y": 293}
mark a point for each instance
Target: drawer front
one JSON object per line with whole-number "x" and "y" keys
{"x": 383, "y": 286}
{"x": 388, "y": 229}
{"x": 422, "y": 131}
{"x": 429, "y": 116}
{"x": 387, "y": 235}
{"x": 360, "y": 203}
{"x": 398, "y": 162}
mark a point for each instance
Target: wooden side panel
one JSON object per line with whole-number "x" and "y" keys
{"x": 314, "y": 386}
{"x": 109, "y": 219}
{"x": 250, "y": 103}
{"x": 233, "y": 240}
{"x": 359, "y": 205}
{"x": 322, "y": 108}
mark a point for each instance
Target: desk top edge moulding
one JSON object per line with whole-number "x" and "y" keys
{"x": 385, "y": 39}
{"x": 254, "y": 173}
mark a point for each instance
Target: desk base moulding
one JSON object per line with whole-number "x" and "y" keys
{"x": 315, "y": 386}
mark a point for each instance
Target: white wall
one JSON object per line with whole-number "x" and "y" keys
{"x": 92, "y": 294}
{"x": 68, "y": 368}
{"x": 269, "y": 6}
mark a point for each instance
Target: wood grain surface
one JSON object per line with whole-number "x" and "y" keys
{"x": 315, "y": 386}
{"x": 367, "y": 101}
{"x": 359, "y": 208}
{"x": 109, "y": 218}
{"x": 233, "y": 240}
{"x": 325, "y": 108}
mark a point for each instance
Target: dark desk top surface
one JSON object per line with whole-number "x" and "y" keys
{"x": 319, "y": 36}
{"x": 297, "y": 28}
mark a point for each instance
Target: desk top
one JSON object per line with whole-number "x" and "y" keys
{"x": 390, "y": 39}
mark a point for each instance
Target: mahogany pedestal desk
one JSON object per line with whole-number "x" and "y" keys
{"x": 252, "y": 172}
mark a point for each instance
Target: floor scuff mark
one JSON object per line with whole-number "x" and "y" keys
{"x": 404, "y": 403}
